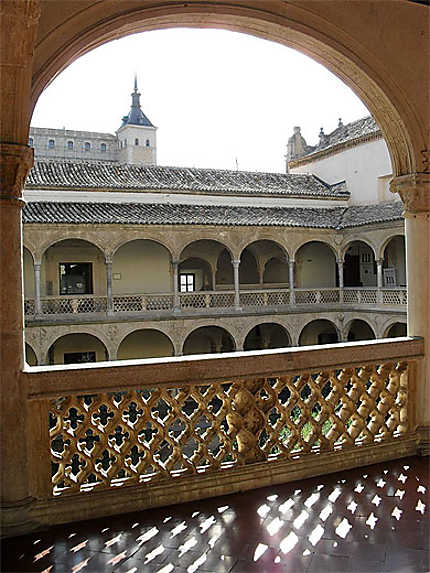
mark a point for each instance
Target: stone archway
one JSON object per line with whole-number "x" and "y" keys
{"x": 209, "y": 340}
{"x": 145, "y": 343}
{"x": 77, "y": 348}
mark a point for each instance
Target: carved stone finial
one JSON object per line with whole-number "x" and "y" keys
{"x": 15, "y": 163}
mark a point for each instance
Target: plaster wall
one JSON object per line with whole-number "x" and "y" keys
{"x": 145, "y": 344}
{"x": 395, "y": 256}
{"x": 141, "y": 267}
{"x": 361, "y": 167}
{"x": 78, "y": 343}
{"x": 315, "y": 266}
{"x": 28, "y": 274}
{"x": 310, "y": 333}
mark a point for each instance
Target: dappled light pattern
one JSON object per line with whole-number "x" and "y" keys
{"x": 150, "y": 436}
{"x": 372, "y": 519}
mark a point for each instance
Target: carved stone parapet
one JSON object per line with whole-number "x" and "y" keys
{"x": 414, "y": 190}
{"x": 15, "y": 163}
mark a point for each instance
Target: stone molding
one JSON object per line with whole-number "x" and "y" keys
{"x": 414, "y": 190}
{"x": 15, "y": 162}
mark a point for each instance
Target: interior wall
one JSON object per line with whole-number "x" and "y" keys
{"x": 30, "y": 356}
{"x": 78, "y": 343}
{"x": 266, "y": 336}
{"x": 145, "y": 344}
{"x": 248, "y": 270}
{"x": 28, "y": 274}
{"x": 207, "y": 340}
{"x": 397, "y": 329}
{"x": 395, "y": 256}
{"x": 276, "y": 271}
{"x": 315, "y": 266}
{"x": 360, "y": 330}
{"x": 310, "y": 333}
{"x": 141, "y": 266}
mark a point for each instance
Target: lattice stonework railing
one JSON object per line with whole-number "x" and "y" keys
{"x": 104, "y": 440}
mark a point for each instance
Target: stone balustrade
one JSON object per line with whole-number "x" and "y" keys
{"x": 202, "y": 301}
{"x": 115, "y": 437}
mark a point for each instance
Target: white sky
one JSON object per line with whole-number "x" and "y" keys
{"x": 214, "y": 95}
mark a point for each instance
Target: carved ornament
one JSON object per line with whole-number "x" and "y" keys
{"x": 15, "y": 162}
{"x": 414, "y": 190}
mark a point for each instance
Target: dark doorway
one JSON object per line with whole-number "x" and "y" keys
{"x": 351, "y": 271}
{"x": 76, "y": 278}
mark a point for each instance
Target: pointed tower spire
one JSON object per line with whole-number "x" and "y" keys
{"x": 135, "y": 115}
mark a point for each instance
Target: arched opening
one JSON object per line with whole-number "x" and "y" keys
{"x": 394, "y": 265}
{"x": 141, "y": 266}
{"x": 208, "y": 340}
{"x": 77, "y": 348}
{"x": 320, "y": 331}
{"x": 204, "y": 254}
{"x": 360, "y": 330}
{"x": 267, "y": 335}
{"x": 30, "y": 355}
{"x": 145, "y": 343}
{"x": 268, "y": 265}
{"x": 396, "y": 330}
{"x": 224, "y": 276}
{"x": 195, "y": 274}
{"x": 73, "y": 267}
{"x": 359, "y": 269}
{"x": 315, "y": 266}
{"x": 248, "y": 270}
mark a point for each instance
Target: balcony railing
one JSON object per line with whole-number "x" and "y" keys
{"x": 110, "y": 438}
{"x": 201, "y": 301}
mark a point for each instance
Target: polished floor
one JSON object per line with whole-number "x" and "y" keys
{"x": 373, "y": 519}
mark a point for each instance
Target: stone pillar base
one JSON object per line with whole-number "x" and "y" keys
{"x": 15, "y": 518}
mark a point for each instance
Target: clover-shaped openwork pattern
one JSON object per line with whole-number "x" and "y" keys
{"x": 131, "y": 437}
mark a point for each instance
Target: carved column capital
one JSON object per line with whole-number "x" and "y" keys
{"x": 15, "y": 163}
{"x": 414, "y": 190}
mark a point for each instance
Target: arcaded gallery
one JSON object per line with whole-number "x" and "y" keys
{"x": 211, "y": 369}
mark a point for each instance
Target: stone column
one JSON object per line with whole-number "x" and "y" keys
{"x": 108, "y": 263}
{"x": 414, "y": 189}
{"x": 236, "y": 264}
{"x": 18, "y": 21}
{"x": 37, "y": 302}
{"x": 176, "y": 301}
{"x": 340, "y": 275}
{"x": 380, "y": 282}
{"x": 291, "y": 280}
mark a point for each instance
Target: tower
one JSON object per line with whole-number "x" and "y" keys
{"x": 137, "y": 138}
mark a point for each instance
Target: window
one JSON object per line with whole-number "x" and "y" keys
{"x": 125, "y": 143}
{"x": 76, "y": 278}
{"x": 147, "y": 143}
{"x": 30, "y": 141}
{"x": 136, "y": 141}
{"x": 87, "y": 146}
{"x": 51, "y": 144}
{"x": 187, "y": 282}
{"x": 103, "y": 147}
{"x": 70, "y": 145}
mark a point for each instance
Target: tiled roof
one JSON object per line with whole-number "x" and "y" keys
{"x": 110, "y": 176}
{"x": 350, "y": 131}
{"x": 177, "y": 214}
